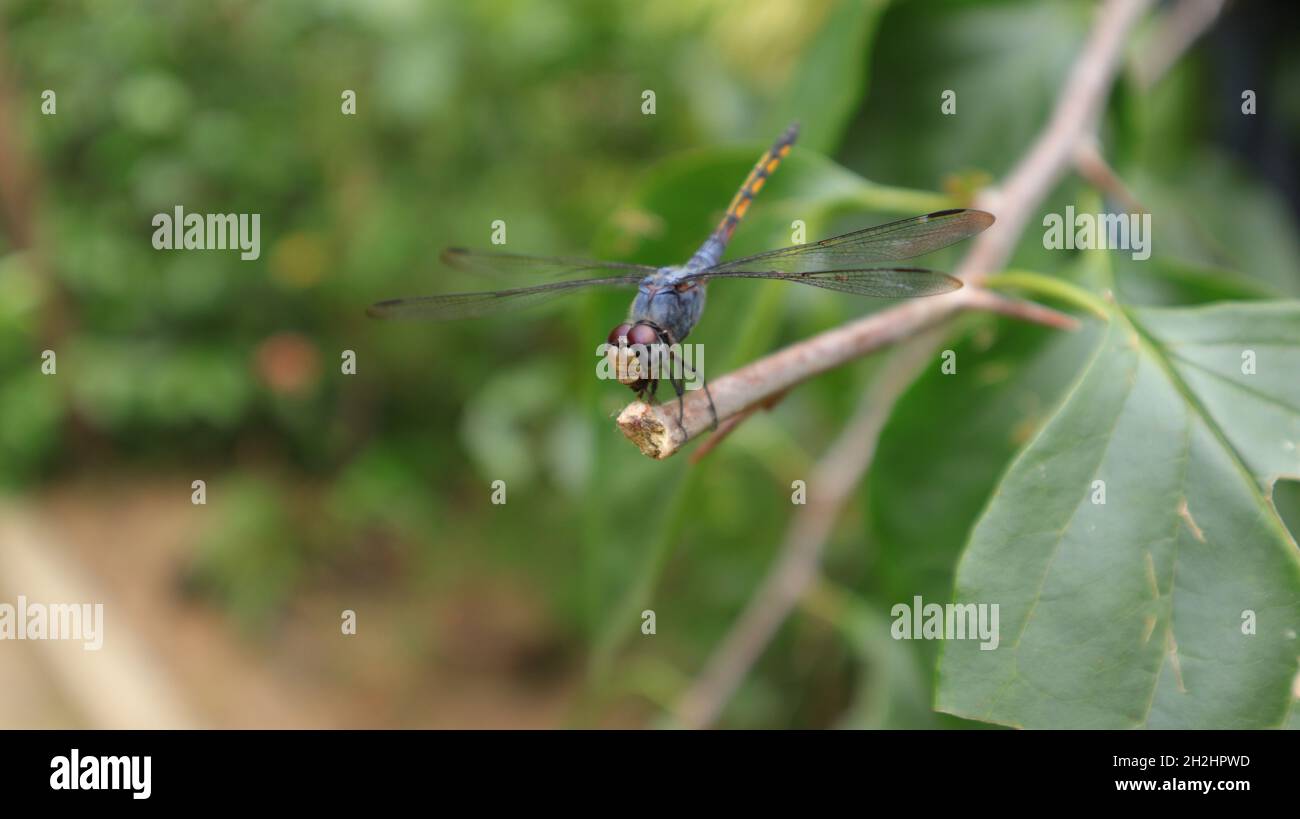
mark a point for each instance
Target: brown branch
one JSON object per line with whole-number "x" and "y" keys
{"x": 18, "y": 181}
{"x": 1094, "y": 168}
{"x": 846, "y": 462}
{"x": 656, "y": 430}
{"x": 1178, "y": 29}
{"x": 1023, "y": 310}
{"x": 21, "y": 200}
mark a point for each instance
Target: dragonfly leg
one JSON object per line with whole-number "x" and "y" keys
{"x": 713, "y": 410}
{"x": 675, "y": 378}
{"x": 646, "y": 389}
{"x": 679, "y": 387}
{"x": 678, "y": 384}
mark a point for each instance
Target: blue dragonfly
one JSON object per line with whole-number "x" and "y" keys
{"x": 670, "y": 300}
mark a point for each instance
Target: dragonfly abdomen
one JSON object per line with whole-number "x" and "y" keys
{"x": 711, "y": 252}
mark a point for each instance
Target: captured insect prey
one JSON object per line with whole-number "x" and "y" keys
{"x": 670, "y": 300}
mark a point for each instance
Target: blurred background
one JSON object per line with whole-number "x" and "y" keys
{"x": 371, "y": 492}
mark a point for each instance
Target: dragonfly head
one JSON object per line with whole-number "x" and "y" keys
{"x": 626, "y": 361}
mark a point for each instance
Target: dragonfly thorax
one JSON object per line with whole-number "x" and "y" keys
{"x": 667, "y": 299}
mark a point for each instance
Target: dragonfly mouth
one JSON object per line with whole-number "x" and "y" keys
{"x": 632, "y": 365}
{"x": 626, "y": 365}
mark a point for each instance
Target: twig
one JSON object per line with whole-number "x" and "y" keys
{"x": 1023, "y": 310}
{"x": 656, "y": 430}
{"x": 1175, "y": 33}
{"x": 1050, "y": 287}
{"x": 18, "y": 184}
{"x": 21, "y": 199}
{"x": 1178, "y": 29}
{"x": 841, "y": 468}
{"x": 1094, "y": 168}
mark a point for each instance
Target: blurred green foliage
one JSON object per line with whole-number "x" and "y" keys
{"x": 202, "y": 365}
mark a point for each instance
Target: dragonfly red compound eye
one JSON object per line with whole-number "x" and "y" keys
{"x": 642, "y": 334}
{"x": 618, "y": 332}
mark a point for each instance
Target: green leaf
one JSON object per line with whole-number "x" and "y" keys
{"x": 826, "y": 85}
{"x": 1250, "y": 229}
{"x": 1242, "y": 363}
{"x": 1167, "y": 281}
{"x": 948, "y": 440}
{"x": 1004, "y": 62}
{"x": 1136, "y": 612}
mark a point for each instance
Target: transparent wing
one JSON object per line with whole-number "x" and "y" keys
{"x": 890, "y": 242}
{"x": 472, "y": 305}
{"x": 510, "y": 264}
{"x": 877, "y": 282}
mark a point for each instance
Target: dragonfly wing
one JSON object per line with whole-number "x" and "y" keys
{"x": 511, "y": 264}
{"x": 890, "y": 242}
{"x": 877, "y": 282}
{"x": 472, "y": 305}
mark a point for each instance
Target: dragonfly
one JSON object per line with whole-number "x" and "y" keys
{"x": 670, "y": 300}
